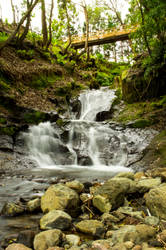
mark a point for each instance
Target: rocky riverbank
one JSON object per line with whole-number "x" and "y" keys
{"x": 128, "y": 211}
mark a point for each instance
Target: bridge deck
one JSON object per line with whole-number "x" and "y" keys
{"x": 98, "y": 38}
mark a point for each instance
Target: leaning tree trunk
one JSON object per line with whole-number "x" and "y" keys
{"x": 19, "y": 25}
{"x": 44, "y": 23}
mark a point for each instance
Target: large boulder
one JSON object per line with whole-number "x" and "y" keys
{"x": 156, "y": 201}
{"x": 91, "y": 227}
{"x": 46, "y": 239}
{"x": 76, "y": 185}
{"x": 59, "y": 197}
{"x": 55, "y": 219}
{"x": 12, "y": 209}
{"x": 113, "y": 192}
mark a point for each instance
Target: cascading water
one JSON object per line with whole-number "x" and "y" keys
{"x": 84, "y": 146}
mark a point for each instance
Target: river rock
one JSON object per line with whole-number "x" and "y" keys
{"x": 151, "y": 220}
{"x": 26, "y": 237}
{"x": 144, "y": 185}
{"x": 12, "y": 209}
{"x": 156, "y": 201}
{"x": 129, "y": 175}
{"x": 17, "y": 246}
{"x": 113, "y": 191}
{"x": 55, "y": 219}
{"x": 92, "y": 227}
{"x": 46, "y": 239}
{"x": 102, "y": 244}
{"x": 129, "y": 211}
{"x": 108, "y": 219}
{"x": 73, "y": 239}
{"x": 137, "y": 234}
{"x": 102, "y": 203}
{"x": 59, "y": 197}
{"x": 76, "y": 185}
{"x": 104, "y": 115}
{"x": 33, "y": 205}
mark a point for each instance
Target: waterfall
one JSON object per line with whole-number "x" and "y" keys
{"x": 84, "y": 145}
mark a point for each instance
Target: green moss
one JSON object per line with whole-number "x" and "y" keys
{"x": 60, "y": 122}
{"x": 141, "y": 123}
{"x": 26, "y": 54}
{"x": 10, "y": 130}
{"x": 4, "y": 85}
{"x": 3, "y": 120}
{"x": 34, "y": 117}
{"x": 43, "y": 81}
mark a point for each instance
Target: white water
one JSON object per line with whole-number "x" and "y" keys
{"x": 105, "y": 148}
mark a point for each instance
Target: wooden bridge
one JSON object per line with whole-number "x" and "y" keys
{"x": 102, "y": 37}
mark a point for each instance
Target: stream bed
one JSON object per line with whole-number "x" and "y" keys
{"x": 82, "y": 149}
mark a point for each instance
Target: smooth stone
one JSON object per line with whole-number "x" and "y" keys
{"x": 129, "y": 211}
{"x": 144, "y": 185}
{"x": 76, "y": 185}
{"x": 108, "y": 219}
{"x": 102, "y": 244}
{"x": 119, "y": 246}
{"x": 114, "y": 190}
{"x": 55, "y": 219}
{"x": 59, "y": 197}
{"x": 139, "y": 175}
{"x": 73, "y": 239}
{"x": 46, "y": 239}
{"x": 151, "y": 220}
{"x": 33, "y": 205}
{"x": 17, "y": 246}
{"x": 102, "y": 203}
{"x": 12, "y": 209}
{"x": 92, "y": 227}
{"x": 128, "y": 175}
{"x": 26, "y": 238}
{"x": 85, "y": 197}
{"x": 156, "y": 201}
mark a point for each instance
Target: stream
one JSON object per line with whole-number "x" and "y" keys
{"x": 81, "y": 149}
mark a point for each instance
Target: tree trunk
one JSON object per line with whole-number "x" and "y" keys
{"x": 23, "y": 36}
{"x": 19, "y": 25}
{"x": 50, "y": 23}
{"x": 14, "y": 12}
{"x": 44, "y": 23}
{"x": 144, "y": 32}
{"x": 87, "y": 30}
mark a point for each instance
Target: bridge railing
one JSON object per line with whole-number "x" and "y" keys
{"x": 104, "y": 33}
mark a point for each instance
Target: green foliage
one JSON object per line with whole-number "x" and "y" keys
{"x": 104, "y": 79}
{"x": 43, "y": 81}
{"x": 34, "y": 117}
{"x": 26, "y": 54}
{"x": 3, "y": 120}
{"x": 3, "y": 37}
{"x": 8, "y": 130}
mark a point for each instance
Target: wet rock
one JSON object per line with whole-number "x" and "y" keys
{"x": 103, "y": 115}
{"x": 55, "y": 219}
{"x": 139, "y": 175}
{"x": 129, "y": 211}
{"x": 84, "y": 197}
{"x": 17, "y": 246}
{"x": 128, "y": 175}
{"x": 6, "y": 143}
{"x": 46, "y": 239}
{"x": 145, "y": 246}
{"x": 76, "y": 107}
{"x": 92, "y": 227}
{"x": 137, "y": 234}
{"x": 33, "y": 205}
{"x": 102, "y": 244}
{"x": 12, "y": 209}
{"x": 114, "y": 190}
{"x": 59, "y": 197}
{"x": 76, "y": 185}
{"x": 119, "y": 246}
{"x": 26, "y": 238}
{"x": 84, "y": 160}
{"x": 72, "y": 239}
{"x": 146, "y": 184}
{"x": 151, "y": 220}
{"x": 156, "y": 201}
{"x": 160, "y": 172}
{"x": 108, "y": 219}
{"x": 102, "y": 203}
